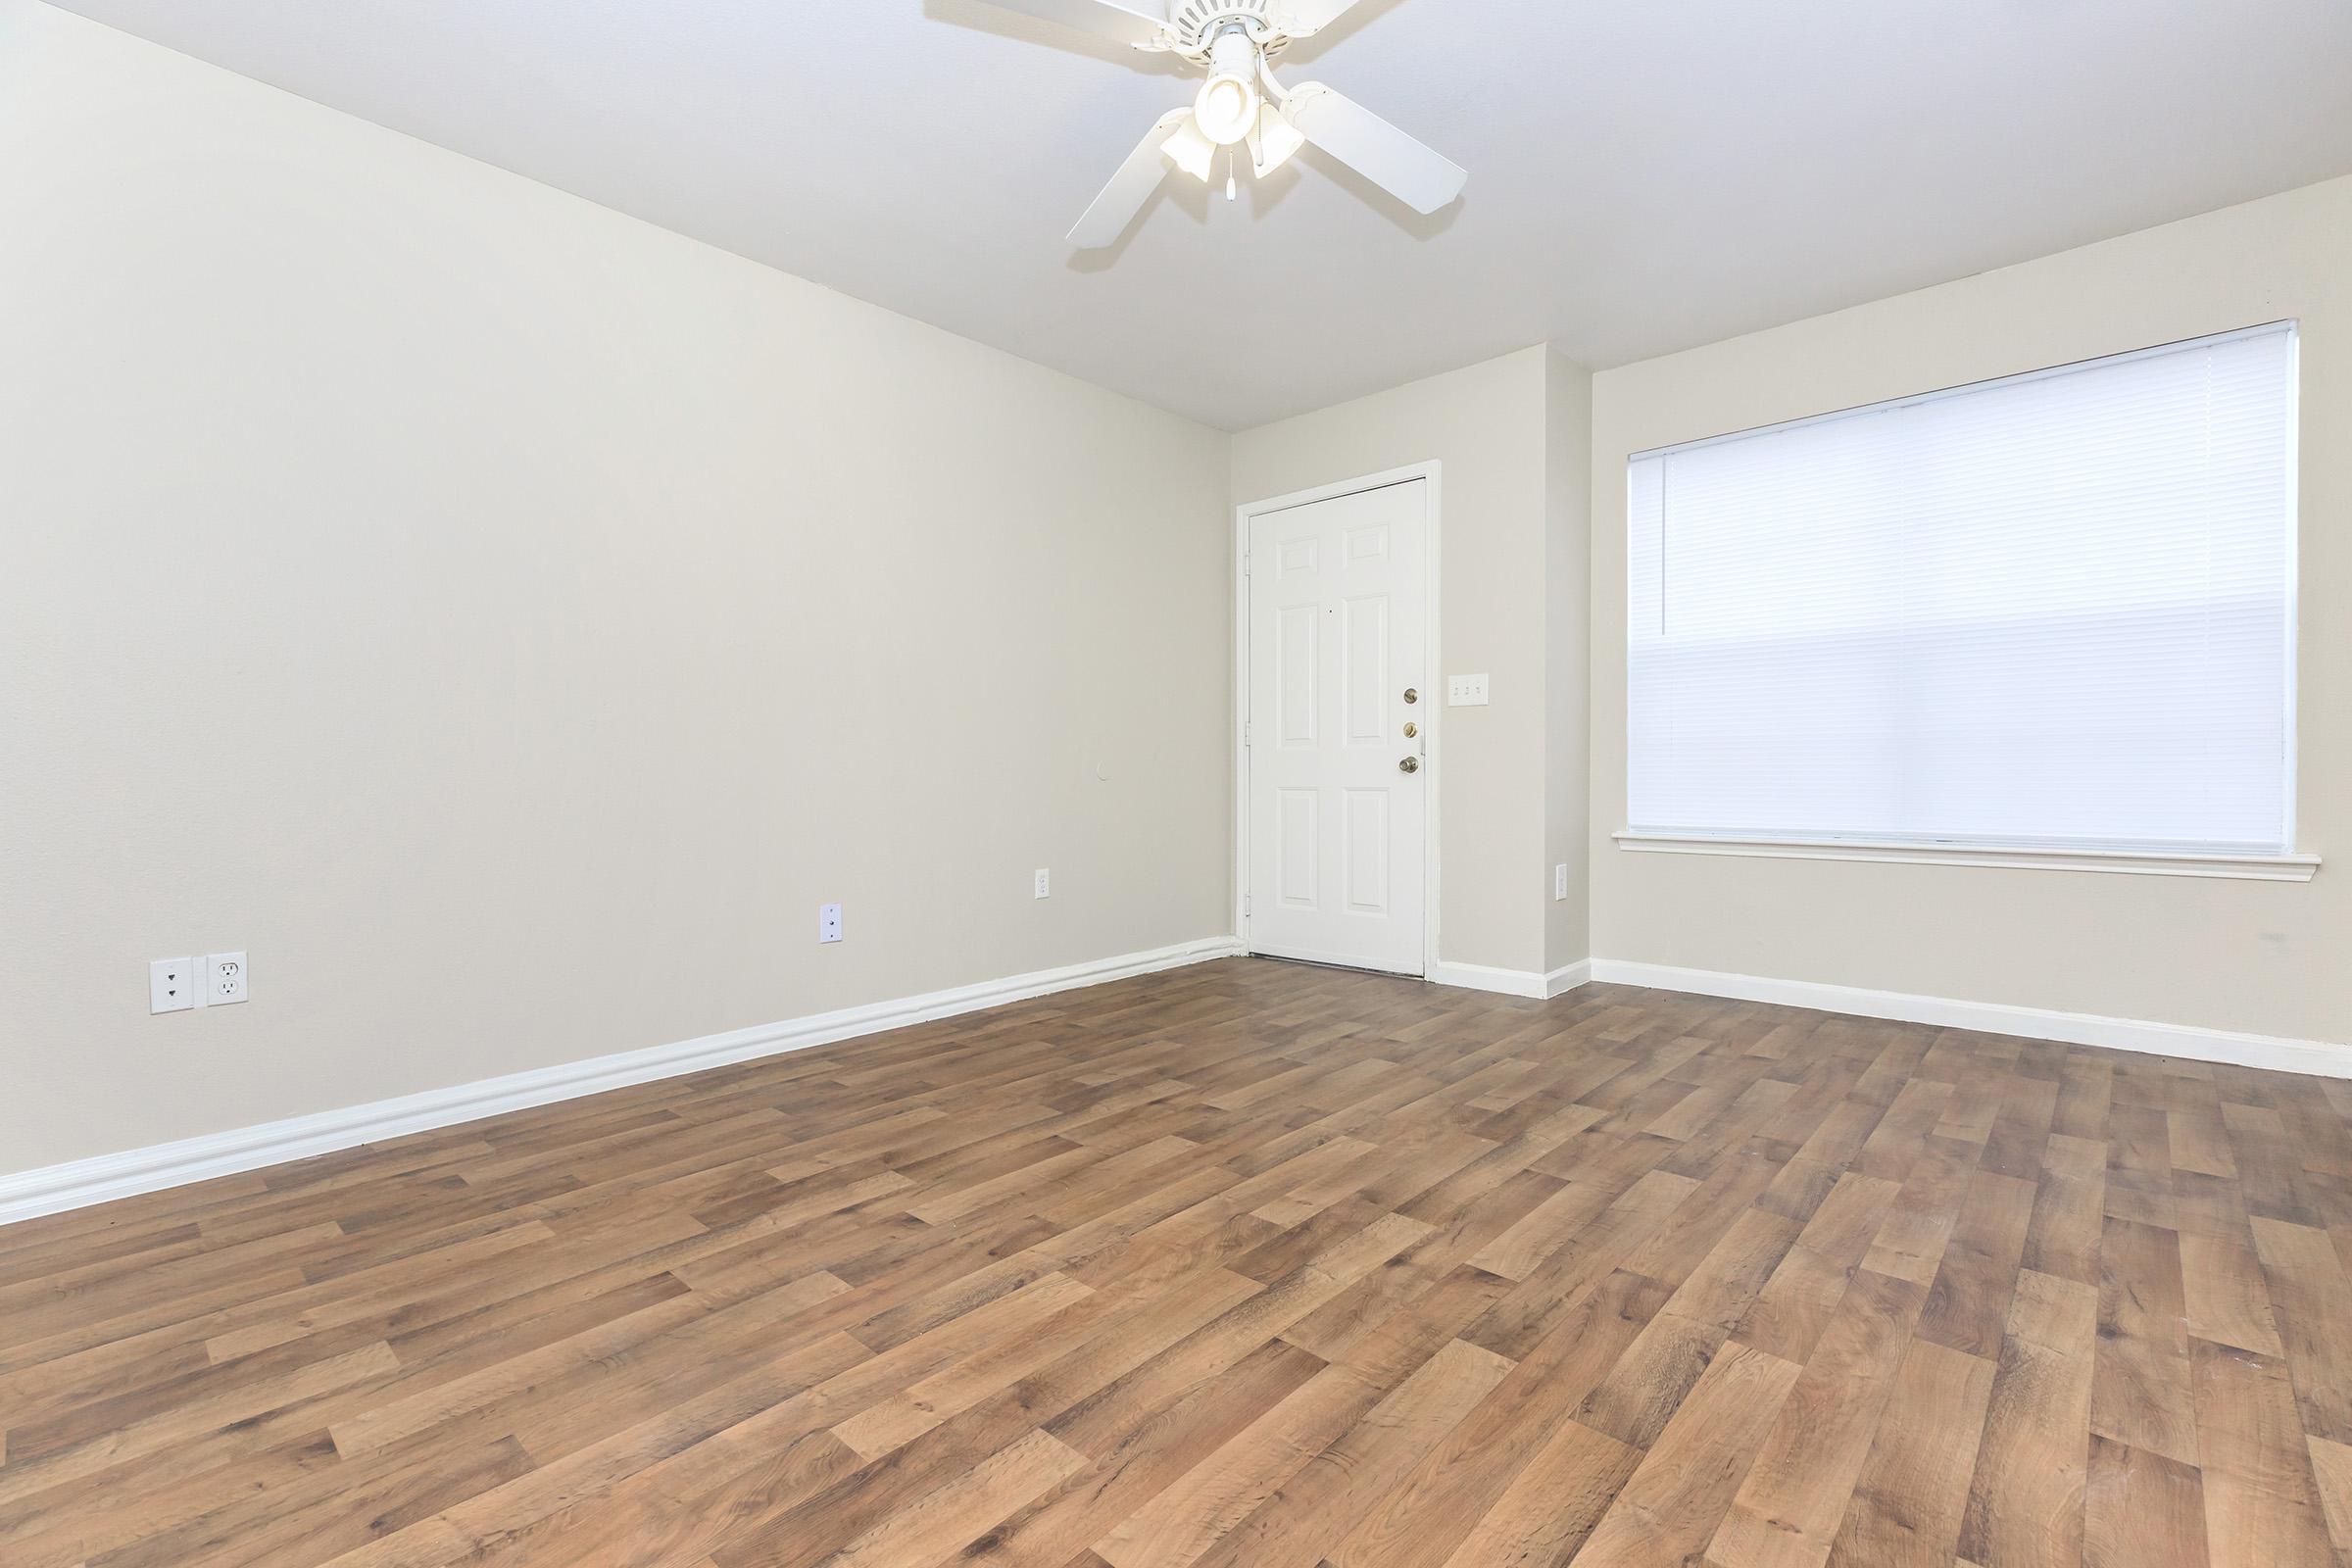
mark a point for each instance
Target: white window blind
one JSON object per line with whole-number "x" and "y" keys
{"x": 2050, "y": 611}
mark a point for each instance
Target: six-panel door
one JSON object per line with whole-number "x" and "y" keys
{"x": 1336, "y": 791}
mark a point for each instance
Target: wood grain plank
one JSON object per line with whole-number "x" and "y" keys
{"x": 1908, "y": 1499}
{"x": 2261, "y": 1503}
{"x": 2224, "y": 1295}
{"x": 2331, "y": 1465}
{"x": 1677, "y": 1495}
{"x": 1789, "y": 1508}
{"x": 1183, "y": 1521}
{"x": 2310, "y": 1293}
{"x": 1292, "y": 1528}
{"x": 2140, "y": 1391}
{"x": 1544, "y": 1516}
{"x": 2142, "y": 1510}
{"x": 2025, "y": 1501}
{"x": 958, "y": 1514}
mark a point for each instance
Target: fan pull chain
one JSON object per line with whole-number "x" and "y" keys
{"x": 1233, "y": 186}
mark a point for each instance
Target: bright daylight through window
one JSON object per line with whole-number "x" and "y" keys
{"x": 2055, "y": 611}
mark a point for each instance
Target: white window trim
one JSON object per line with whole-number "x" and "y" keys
{"x": 2290, "y": 324}
{"x": 2257, "y": 865}
{"x": 2248, "y": 868}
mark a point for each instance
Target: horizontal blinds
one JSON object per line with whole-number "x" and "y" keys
{"x": 2057, "y": 610}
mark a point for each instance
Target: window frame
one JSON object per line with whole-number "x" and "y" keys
{"x": 2285, "y": 864}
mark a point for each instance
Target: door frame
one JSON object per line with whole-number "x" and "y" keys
{"x": 1432, "y": 768}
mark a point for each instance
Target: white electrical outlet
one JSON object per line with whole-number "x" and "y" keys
{"x": 1044, "y": 884}
{"x": 1466, "y": 691}
{"x": 170, "y": 985}
{"x": 829, "y": 923}
{"x": 1559, "y": 884}
{"x": 224, "y": 979}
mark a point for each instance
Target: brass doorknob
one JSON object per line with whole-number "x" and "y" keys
{"x": 1411, "y": 765}
{"x": 1411, "y": 731}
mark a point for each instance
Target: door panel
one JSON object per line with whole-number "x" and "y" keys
{"x": 1336, "y": 640}
{"x": 1302, "y": 629}
{"x": 1364, "y": 672}
{"x": 1366, "y": 835}
{"x": 1297, "y": 850}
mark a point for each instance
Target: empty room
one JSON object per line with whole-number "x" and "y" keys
{"x": 1175, "y": 784}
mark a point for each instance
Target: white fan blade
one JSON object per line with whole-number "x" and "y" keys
{"x": 1302, "y": 17}
{"x": 1132, "y": 186}
{"x": 1136, "y": 21}
{"x": 1416, "y": 175}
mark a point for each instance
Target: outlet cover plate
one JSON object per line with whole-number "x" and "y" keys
{"x": 1044, "y": 884}
{"x": 224, "y": 979}
{"x": 829, "y": 923}
{"x": 170, "y": 985}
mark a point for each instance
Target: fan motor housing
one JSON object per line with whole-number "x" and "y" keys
{"x": 1196, "y": 25}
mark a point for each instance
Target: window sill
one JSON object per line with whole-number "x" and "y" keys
{"x": 2128, "y": 863}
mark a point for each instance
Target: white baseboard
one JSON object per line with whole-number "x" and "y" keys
{"x": 1996, "y": 1017}
{"x": 1480, "y": 977}
{"x": 80, "y": 1183}
{"x": 1568, "y": 978}
{"x": 1512, "y": 982}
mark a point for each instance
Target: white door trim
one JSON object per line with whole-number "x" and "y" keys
{"x": 1431, "y": 729}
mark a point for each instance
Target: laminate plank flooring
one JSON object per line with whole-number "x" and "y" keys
{"x": 1244, "y": 1265}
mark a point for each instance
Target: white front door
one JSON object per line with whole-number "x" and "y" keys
{"x": 1337, "y": 675}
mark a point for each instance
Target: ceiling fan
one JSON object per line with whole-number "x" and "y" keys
{"x": 1241, "y": 105}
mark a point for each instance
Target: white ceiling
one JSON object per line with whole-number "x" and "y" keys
{"x": 1645, "y": 174}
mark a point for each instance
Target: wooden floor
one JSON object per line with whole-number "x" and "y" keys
{"x": 1243, "y": 1264}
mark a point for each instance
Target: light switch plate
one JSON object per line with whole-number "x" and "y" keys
{"x": 1466, "y": 691}
{"x": 170, "y": 985}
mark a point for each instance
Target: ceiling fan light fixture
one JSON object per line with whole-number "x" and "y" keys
{"x": 1236, "y": 41}
{"x": 1190, "y": 151}
{"x": 1276, "y": 140}
{"x": 1227, "y": 108}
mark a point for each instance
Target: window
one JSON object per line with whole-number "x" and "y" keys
{"x": 2049, "y": 612}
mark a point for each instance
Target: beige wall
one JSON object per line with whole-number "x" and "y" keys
{"x": 1487, "y": 425}
{"x": 2264, "y": 957}
{"x": 1568, "y": 668}
{"x": 508, "y": 621}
